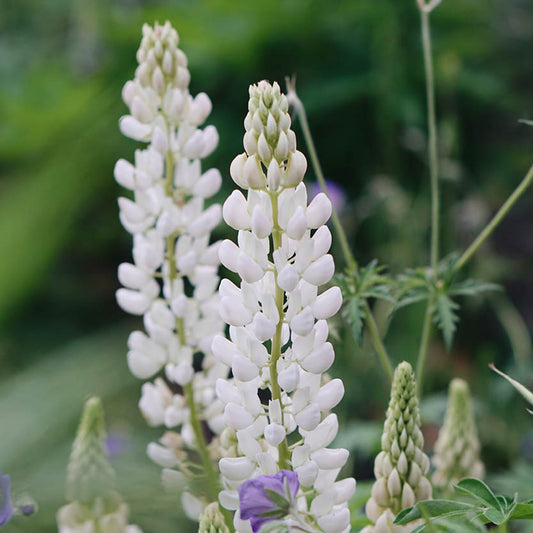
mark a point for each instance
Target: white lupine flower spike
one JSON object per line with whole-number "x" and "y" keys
{"x": 401, "y": 467}
{"x": 278, "y": 332}
{"x": 173, "y": 279}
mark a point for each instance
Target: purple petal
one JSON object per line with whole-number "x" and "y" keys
{"x": 336, "y": 194}
{"x": 254, "y": 500}
{"x": 6, "y": 508}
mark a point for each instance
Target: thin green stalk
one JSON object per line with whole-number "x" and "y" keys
{"x": 498, "y": 217}
{"x": 424, "y": 346}
{"x": 349, "y": 258}
{"x": 434, "y": 180}
{"x": 378, "y": 344}
{"x": 283, "y": 447}
{"x": 432, "y": 138}
{"x": 196, "y": 423}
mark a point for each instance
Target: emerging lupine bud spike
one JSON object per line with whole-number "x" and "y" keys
{"x": 457, "y": 447}
{"x": 212, "y": 520}
{"x": 90, "y": 474}
{"x": 401, "y": 466}
{"x": 94, "y": 504}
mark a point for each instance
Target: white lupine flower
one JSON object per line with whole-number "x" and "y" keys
{"x": 173, "y": 279}
{"x": 278, "y": 332}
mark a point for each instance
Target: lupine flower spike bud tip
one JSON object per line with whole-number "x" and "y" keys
{"x": 94, "y": 503}
{"x": 277, "y": 325}
{"x": 457, "y": 448}
{"x": 173, "y": 279}
{"x": 402, "y": 466}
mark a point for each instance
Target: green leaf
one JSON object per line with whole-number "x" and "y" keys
{"x": 526, "y": 393}
{"x": 445, "y": 317}
{"x": 480, "y": 491}
{"x": 527, "y": 122}
{"x": 353, "y": 314}
{"x": 471, "y": 287}
{"x": 522, "y": 511}
{"x": 433, "y": 509}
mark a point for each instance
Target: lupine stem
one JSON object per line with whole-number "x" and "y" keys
{"x": 424, "y": 345}
{"x": 493, "y": 224}
{"x": 434, "y": 179}
{"x": 349, "y": 258}
{"x": 211, "y": 475}
{"x": 283, "y": 447}
{"x": 432, "y": 139}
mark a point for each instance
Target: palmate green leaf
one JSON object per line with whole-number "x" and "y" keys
{"x": 433, "y": 509}
{"x": 444, "y": 315}
{"x": 481, "y": 492}
{"x": 471, "y": 287}
{"x": 457, "y": 524}
{"x": 526, "y": 393}
{"x": 353, "y": 313}
{"x": 522, "y": 511}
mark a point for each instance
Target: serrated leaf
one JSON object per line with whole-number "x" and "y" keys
{"x": 444, "y": 315}
{"x": 480, "y": 491}
{"x": 525, "y": 392}
{"x": 353, "y": 314}
{"x": 433, "y": 509}
{"x": 471, "y": 287}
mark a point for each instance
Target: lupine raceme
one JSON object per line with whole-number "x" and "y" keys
{"x": 173, "y": 279}
{"x": 457, "y": 447}
{"x": 95, "y": 505}
{"x": 277, "y": 406}
{"x": 401, "y": 466}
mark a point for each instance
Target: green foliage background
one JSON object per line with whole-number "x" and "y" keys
{"x": 360, "y": 74}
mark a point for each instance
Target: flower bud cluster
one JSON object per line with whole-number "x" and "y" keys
{"x": 401, "y": 466}
{"x": 212, "y": 520}
{"x": 173, "y": 279}
{"x": 94, "y": 503}
{"x": 277, "y": 318}
{"x": 457, "y": 447}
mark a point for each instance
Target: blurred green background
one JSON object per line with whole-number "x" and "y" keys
{"x": 360, "y": 74}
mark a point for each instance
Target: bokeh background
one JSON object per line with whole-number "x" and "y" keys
{"x": 360, "y": 74}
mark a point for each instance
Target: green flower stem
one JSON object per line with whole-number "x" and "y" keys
{"x": 425, "y": 10}
{"x": 210, "y": 473}
{"x": 493, "y": 224}
{"x": 377, "y": 342}
{"x": 424, "y": 346}
{"x": 212, "y": 478}
{"x": 432, "y": 137}
{"x": 283, "y": 447}
{"x": 349, "y": 258}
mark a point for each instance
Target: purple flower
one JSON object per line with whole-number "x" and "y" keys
{"x": 6, "y": 507}
{"x": 336, "y": 194}
{"x": 267, "y": 498}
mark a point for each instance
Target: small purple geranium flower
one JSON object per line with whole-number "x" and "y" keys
{"x": 336, "y": 194}
{"x": 267, "y": 498}
{"x": 6, "y": 507}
